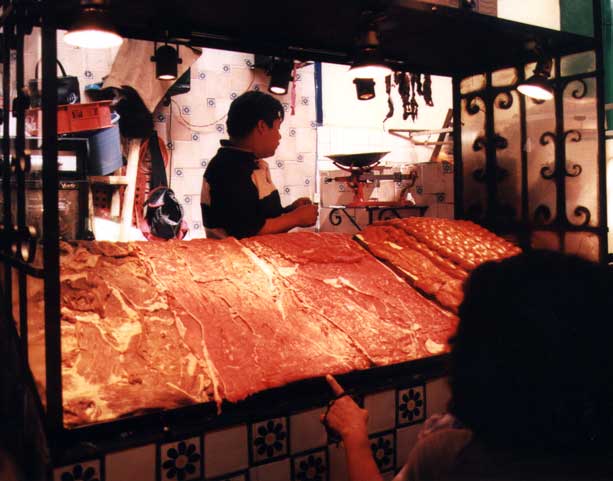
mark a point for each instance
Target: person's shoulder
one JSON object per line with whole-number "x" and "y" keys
{"x": 435, "y": 455}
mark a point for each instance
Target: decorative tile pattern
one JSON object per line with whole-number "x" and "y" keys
{"x": 311, "y": 467}
{"x": 411, "y": 405}
{"x": 84, "y": 471}
{"x": 268, "y": 439}
{"x": 133, "y": 464}
{"x": 437, "y": 396}
{"x": 381, "y": 411}
{"x": 181, "y": 460}
{"x": 277, "y": 471}
{"x": 225, "y": 451}
{"x": 306, "y": 431}
{"x": 337, "y": 463}
{"x": 382, "y": 448}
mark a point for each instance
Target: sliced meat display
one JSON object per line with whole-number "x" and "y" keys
{"x": 434, "y": 255}
{"x": 122, "y": 350}
{"x": 343, "y": 285}
{"x": 422, "y": 267}
{"x": 258, "y": 333}
{"x": 461, "y": 241}
{"x": 157, "y": 325}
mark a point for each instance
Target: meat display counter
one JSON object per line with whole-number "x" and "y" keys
{"x": 173, "y": 398}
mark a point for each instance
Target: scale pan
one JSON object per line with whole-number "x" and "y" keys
{"x": 363, "y": 159}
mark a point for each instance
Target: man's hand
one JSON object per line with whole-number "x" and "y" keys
{"x": 300, "y": 202}
{"x": 305, "y": 215}
{"x": 344, "y": 415}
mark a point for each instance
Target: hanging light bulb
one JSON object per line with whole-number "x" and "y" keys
{"x": 166, "y": 59}
{"x": 538, "y": 86}
{"x": 93, "y": 27}
{"x": 364, "y": 88}
{"x": 368, "y": 61}
{"x": 280, "y": 76}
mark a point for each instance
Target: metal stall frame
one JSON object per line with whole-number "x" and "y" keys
{"x": 129, "y": 431}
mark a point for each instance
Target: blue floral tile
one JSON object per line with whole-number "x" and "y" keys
{"x": 311, "y": 467}
{"x": 181, "y": 460}
{"x": 268, "y": 439}
{"x": 411, "y": 405}
{"x": 382, "y": 448}
{"x": 85, "y": 471}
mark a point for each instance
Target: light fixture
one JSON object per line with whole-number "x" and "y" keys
{"x": 93, "y": 27}
{"x": 538, "y": 86}
{"x": 166, "y": 59}
{"x": 280, "y": 75}
{"x": 365, "y": 88}
{"x": 368, "y": 61}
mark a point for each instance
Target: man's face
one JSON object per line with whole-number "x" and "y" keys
{"x": 268, "y": 138}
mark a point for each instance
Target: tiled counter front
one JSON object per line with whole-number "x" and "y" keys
{"x": 293, "y": 447}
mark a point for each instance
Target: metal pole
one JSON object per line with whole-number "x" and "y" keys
{"x": 53, "y": 348}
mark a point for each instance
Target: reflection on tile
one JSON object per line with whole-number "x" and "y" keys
{"x": 337, "y": 462}
{"x": 311, "y": 467}
{"x": 382, "y": 448}
{"x": 306, "y": 431}
{"x": 136, "y": 464}
{"x": 277, "y": 471}
{"x": 230, "y": 477}
{"x": 181, "y": 460}
{"x": 437, "y": 396}
{"x": 89, "y": 470}
{"x": 268, "y": 439}
{"x": 225, "y": 451}
{"x": 381, "y": 409}
{"x": 411, "y": 405}
{"x": 405, "y": 440}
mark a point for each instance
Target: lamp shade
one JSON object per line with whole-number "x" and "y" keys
{"x": 280, "y": 76}
{"x": 537, "y": 87}
{"x": 93, "y": 29}
{"x": 166, "y": 60}
{"x": 368, "y": 61}
{"x": 365, "y": 88}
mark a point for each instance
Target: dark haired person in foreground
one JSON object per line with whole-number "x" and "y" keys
{"x": 238, "y": 197}
{"x": 531, "y": 380}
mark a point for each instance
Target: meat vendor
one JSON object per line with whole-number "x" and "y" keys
{"x": 238, "y": 197}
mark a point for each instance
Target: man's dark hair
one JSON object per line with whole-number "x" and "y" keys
{"x": 531, "y": 362}
{"x": 250, "y": 107}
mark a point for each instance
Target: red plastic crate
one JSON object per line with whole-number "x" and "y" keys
{"x": 72, "y": 118}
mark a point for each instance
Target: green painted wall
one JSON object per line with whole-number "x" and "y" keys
{"x": 576, "y": 16}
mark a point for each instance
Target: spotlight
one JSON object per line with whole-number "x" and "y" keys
{"x": 538, "y": 86}
{"x": 368, "y": 61}
{"x": 365, "y": 88}
{"x": 93, "y": 27}
{"x": 166, "y": 59}
{"x": 280, "y": 75}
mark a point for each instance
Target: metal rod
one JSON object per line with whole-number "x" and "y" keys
{"x": 458, "y": 164}
{"x": 560, "y": 158}
{"x": 53, "y": 348}
{"x": 21, "y": 189}
{"x": 600, "y": 108}
{"x": 525, "y": 235}
{"x": 491, "y": 164}
{"x": 7, "y": 29}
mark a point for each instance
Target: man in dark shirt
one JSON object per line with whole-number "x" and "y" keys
{"x": 238, "y": 197}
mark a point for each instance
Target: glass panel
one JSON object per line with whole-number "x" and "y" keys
{"x": 505, "y": 77}
{"x": 578, "y": 63}
{"x": 584, "y": 244}
{"x": 545, "y": 240}
{"x": 540, "y": 120}
{"x": 473, "y": 156}
{"x": 472, "y": 84}
{"x": 580, "y": 125}
{"x": 507, "y": 126}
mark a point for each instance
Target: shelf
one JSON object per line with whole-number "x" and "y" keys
{"x": 415, "y": 35}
